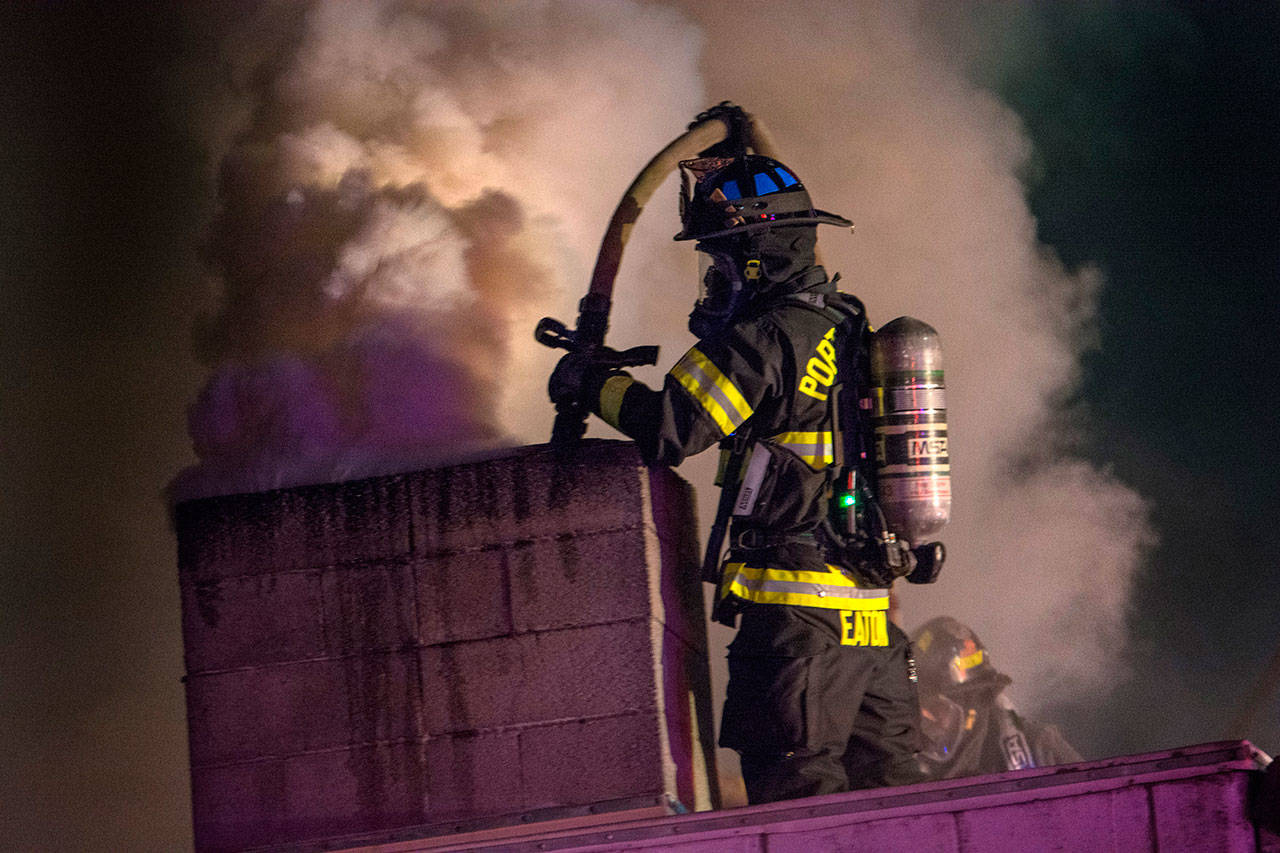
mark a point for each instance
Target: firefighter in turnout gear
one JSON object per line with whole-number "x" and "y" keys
{"x": 970, "y": 726}
{"x": 820, "y": 696}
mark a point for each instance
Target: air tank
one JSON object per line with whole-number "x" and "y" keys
{"x": 909, "y": 416}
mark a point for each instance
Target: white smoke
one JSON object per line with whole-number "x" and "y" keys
{"x": 406, "y": 187}
{"x": 870, "y": 105}
{"x": 403, "y": 187}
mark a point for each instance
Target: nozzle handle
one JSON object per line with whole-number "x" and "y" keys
{"x": 552, "y": 333}
{"x": 633, "y": 357}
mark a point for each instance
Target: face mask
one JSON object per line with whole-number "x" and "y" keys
{"x": 942, "y": 722}
{"x": 721, "y": 292}
{"x": 718, "y": 282}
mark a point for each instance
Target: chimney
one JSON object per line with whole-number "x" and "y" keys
{"x": 514, "y": 639}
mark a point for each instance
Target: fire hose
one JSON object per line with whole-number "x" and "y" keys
{"x": 723, "y": 128}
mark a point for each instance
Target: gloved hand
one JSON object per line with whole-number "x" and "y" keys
{"x": 929, "y": 559}
{"x": 887, "y": 561}
{"x": 577, "y": 379}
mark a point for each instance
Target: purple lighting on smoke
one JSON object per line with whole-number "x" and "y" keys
{"x": 399, "y": 185}
{"x": 375, "y": 401}
{"x": 348, "y": 315}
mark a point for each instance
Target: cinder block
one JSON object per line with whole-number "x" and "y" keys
{"x": 252, "y": 620}
{"x": 1104, "y": 820}
{"x": 308, "y": 527}
{"x": 594, "y": 671}
{"x": 531, "y": 678}
{"x": 291, "y": 708}
{"x": 368, "y": 608}
{"x": 311, "y": 796}
{"x": 532, "y": 493}
{"x": 472, "y": 685}
{"x": 473, "y": 775}
{"x": 579, "y": 579}
{"x": 239, "y": 805}
{"x": 586, "y": 761}
{"x": 507, "y": 607}
{"x": 289, "y": 616}
{"x": 675, "y": 515}
{"x": 463, "y": 596}
{"x": 1131, "y": 818}
{"x": 680, "y": 584}
{"x": 340, "y": 792}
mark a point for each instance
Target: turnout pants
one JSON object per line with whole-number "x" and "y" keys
{"x": 835, "y": 717}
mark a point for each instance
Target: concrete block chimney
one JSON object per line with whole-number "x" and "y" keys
{"x": 507, "y": 640}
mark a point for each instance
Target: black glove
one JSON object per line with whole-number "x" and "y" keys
{"x": 928, "y": 562}
{"x": 870, "y": 566}
{"x": 577, "y": 379}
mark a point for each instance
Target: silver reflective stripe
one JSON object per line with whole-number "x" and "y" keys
{"x": 816, "y": 449}
{"x": 936, "y": 468}
{"x": 903, "y": 429}
{"x": 915, "y": 399}
{"x": 813, "y": 454}
{"x": 714, "y": 391}
{"x": 830, "y": 590}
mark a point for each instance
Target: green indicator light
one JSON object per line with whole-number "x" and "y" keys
{"x": 848, "y": 500}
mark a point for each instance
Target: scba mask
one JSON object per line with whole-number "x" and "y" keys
{"x": 725, "y": 283}
{"x": 944, "y": 724}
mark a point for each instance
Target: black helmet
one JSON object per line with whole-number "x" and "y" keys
{"x": 950, "y": 659}
{"x": 720, "y": 196}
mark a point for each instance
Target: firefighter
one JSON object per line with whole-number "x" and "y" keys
{"x": 970, "y": 726}
{"x": 819, "y": 698}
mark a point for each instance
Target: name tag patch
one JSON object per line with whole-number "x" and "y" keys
{"x": 864, "y": 628}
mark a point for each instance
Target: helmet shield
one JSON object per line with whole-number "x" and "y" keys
{"x": 718, "y": 281}
{"x": 722, "y": 288}
{"x": 720, "y": 196}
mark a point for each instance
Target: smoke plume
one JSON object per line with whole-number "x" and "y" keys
{"x": 404, "y": 187}
{"x": 871, "y": 105}
{"x": 401, "y": 187}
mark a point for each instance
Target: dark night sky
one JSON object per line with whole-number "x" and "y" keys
{"x": 96, "y": 203}
{"x": 1155, "y": 130}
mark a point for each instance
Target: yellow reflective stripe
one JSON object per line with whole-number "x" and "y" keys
{"x": 611, "y": 394}
{"x": 832, "y": 578}
{"x": 816, "y": 449}
{"x": 722, "y": 382}
{"x": 830, "y": 590}
{"x": 712, "y": 389}
{"x": 801, "y": 437}
{"x": 705, "y": 400}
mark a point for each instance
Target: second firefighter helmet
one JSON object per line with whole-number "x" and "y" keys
{"x": 951, "y": 659}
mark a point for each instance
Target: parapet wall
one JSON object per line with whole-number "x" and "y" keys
{"x": 490, "y": 641}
